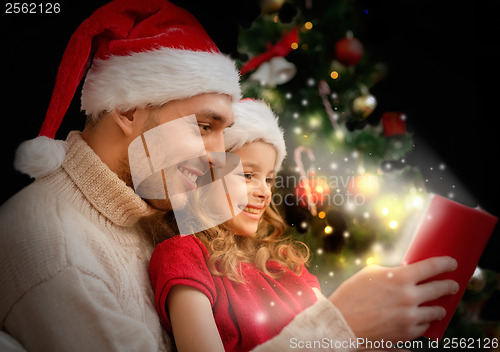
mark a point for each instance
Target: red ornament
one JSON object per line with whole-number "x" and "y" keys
{"x": 394, "y": 123}
{"x": 349, "y": 50}
{"x": 316, "y": 188}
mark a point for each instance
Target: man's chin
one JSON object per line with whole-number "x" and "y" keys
{"x": 176, "y": 202}
{"x": 160, "y": 204}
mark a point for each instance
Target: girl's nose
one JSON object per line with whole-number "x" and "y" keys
{"x": 262, "y": 190}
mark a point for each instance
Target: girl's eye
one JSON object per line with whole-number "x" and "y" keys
{"x": 270, "y": 180}
{"x": 247, "y": 175}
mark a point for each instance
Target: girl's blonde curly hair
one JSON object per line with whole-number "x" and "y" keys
{"x": 228, "y": 250}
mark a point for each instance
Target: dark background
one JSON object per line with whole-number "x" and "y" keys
{"x": 442, "y": 59}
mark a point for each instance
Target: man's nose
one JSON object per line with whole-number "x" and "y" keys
{"x": 216, "y": 151}
{"x": 217, "y": 159}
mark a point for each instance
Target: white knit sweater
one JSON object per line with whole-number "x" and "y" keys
{"x": 74, "y": 263}
{"x": 73, "y": 267}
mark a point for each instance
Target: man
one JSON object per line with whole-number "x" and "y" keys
{"x": 74, "y": 259}
{"x": 73, "y": 256}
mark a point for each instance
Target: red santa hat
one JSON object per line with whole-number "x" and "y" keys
{"x": 140, "y": 53}
{"x": 255, "y": 121}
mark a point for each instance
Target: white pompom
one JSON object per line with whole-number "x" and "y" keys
{"x": 40, "y": 156}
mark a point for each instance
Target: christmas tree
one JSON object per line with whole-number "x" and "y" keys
{"x": 346, "y": 189}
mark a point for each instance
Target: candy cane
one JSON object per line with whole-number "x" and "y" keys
{"x": 297, "y": 156}
{"x": 324, "y": 90}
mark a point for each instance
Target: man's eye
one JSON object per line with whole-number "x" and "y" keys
{"x": 204, "y": 126}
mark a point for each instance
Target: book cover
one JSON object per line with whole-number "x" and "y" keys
{"x": 448, "y": 228}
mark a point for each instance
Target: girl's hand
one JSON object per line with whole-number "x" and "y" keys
{"x": 384, "y": 303}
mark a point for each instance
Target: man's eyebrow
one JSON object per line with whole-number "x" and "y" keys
{"x": 214, "y": 115}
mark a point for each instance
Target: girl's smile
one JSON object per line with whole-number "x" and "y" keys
{"x": 254, "y": 211}
{"x": 258, "y": 160}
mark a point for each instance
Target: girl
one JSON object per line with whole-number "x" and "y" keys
{"x": 237, "y": 285}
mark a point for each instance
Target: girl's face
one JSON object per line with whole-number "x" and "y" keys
{"x": 258, "y": 160}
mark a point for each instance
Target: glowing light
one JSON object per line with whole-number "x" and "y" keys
{"x": 319, "y": 189}
{"x": 294, "y": 46}
{"x": 321, "y": 215}
{"x": 393, "y": 224}
{"x": 377, "y": 247}
{"x": 261, "y": 317}
{"x": 366, "y": 184}
{"x": 314, "y": 122}
{"x": 319, "y": 251}
{"x": 308, "y": 25}
{"x": 350, "y": 206}
{"x": 418, "y": 202}
{"x": 328, "y": 230}
{"x": 385, "y": 211}
{"x": 334, "y": 74}
{"x": 370, "y": 261}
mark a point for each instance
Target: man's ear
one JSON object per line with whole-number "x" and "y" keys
{"x": 126, "y": 121}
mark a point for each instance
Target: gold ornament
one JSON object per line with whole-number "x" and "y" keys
{"x": 364, "y": 105}
{"x": 271, "y": 6}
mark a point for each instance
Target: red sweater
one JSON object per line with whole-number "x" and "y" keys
{"x": 246, "y": 314}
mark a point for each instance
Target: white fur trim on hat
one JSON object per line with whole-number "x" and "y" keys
{"x": 40, "y": 156}
{"x": 255, "y": 121}
{"x": 155, "y": 77}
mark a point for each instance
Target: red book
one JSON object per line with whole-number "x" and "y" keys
{"x": 448, "y": 228}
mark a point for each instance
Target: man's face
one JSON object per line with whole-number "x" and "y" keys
{"x": 182, "y": 133}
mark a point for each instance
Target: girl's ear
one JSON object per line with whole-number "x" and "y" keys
{"x": 125, "y": 120}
